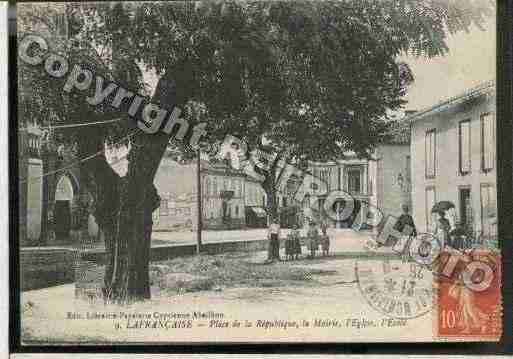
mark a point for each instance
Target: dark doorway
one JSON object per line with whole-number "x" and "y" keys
{"x": 62, "y": 219}
{"x": 339, "y": 206}
{"x": 465, "y": 207}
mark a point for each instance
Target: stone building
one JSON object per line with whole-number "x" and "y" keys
{"x": 222, "y": 193}
{"x": 223, "y": 197}
{"x": 53, "y": 207}
{"x": 175, "y": 212}
{"x": 453, "y": 151}
{"x": 382, "y": 181}
{"x": 255, "y": 203}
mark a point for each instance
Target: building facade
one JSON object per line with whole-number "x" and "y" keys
{"x": 223, "y": 196}
{"x": 255, "y": 203}
{"x": 53, "y": 206}
{"x": 453, "y": 151}
{"x": 382, "y": 181}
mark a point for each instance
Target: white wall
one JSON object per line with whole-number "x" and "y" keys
{"x": 390, "y": 194}
{"x": 448, "y": 180}
{"x": 34, "y": 198}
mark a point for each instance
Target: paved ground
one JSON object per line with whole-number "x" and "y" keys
{"x": 341, "y": 240}
{"x": 54, "y": 315}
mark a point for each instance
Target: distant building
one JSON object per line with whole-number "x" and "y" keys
{"x": 453, "y": 151}
{"x": 255, "y": 203}
{"x": 222, "y": 193}
{"x": 53, "y": 206}
{"x": 382, "y": 181}
{"x": 175, "y": 212}
{"x": 223, "y": 197}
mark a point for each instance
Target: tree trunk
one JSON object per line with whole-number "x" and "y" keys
{"x": 131, "y": 255}
{"x": 272, "y": 204}
{"x": 125, "y": 206}
{"x": 270, "y": 185}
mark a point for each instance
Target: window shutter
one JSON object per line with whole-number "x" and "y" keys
{"x": 488, "y": 142}
{"x": 465, "y": 146}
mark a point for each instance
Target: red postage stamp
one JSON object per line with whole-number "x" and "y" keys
{"x": 469, "y": 296}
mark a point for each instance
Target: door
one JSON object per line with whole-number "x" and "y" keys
{"x": 62, "y": 219}
{"x": 338, "y": 207}
{"x": 465, "y": 207}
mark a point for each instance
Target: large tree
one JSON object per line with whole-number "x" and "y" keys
{"x": 303, "y": 79}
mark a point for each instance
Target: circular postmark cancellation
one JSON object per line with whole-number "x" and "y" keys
{"x": 395, "y": 288}
{"x": 401, "y": 285}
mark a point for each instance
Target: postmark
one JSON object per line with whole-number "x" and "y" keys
{"x": 396, "y": 288}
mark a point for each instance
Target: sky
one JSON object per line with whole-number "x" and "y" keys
{"x": 471, "y": 60}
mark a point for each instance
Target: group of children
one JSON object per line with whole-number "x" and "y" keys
{"x": 313, "y": 238}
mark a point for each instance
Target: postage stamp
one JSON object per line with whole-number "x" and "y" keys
{"x": 256, "y": 172}
{"x": 466, "y": 311}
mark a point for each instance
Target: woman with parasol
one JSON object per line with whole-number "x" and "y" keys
{"x": 443, "y": 225}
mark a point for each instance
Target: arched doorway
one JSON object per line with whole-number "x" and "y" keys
{"x": 64, "y": 194}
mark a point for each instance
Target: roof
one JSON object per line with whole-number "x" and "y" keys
{"x": 472, "y": 93}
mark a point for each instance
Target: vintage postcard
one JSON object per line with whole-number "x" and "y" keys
{"x": 257, "y": 172}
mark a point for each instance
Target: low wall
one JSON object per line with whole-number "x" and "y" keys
{"x": 41, "y": 268}
{"x": 46, "y": 267}
{"x": 164, "y": 252}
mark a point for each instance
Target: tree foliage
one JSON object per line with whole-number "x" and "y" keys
{"x": 303, "y": 79}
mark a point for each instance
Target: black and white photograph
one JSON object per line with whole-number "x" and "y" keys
{"x": 205, "y": 172}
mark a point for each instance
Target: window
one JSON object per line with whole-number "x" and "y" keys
{"x": 214, "y": 186}
{"x": 488, "y": 210}
{"x": 207, "y": 187}
{"x": 164, "y": 210}
{"x": 430, "y": 153}
{"x": 464, "y": 146}
{"x": 324, "y": 176}
{"x": 236, "y": 211}
{"x": 430, "y": 202}
{"x": 354, "y": 180}
{"x": 60, "y": 25}
{"x": 487, "y": 142}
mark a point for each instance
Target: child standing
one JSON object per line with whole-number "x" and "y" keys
{"x": 325, "y": 240}
{"x": 313, "y": 237}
